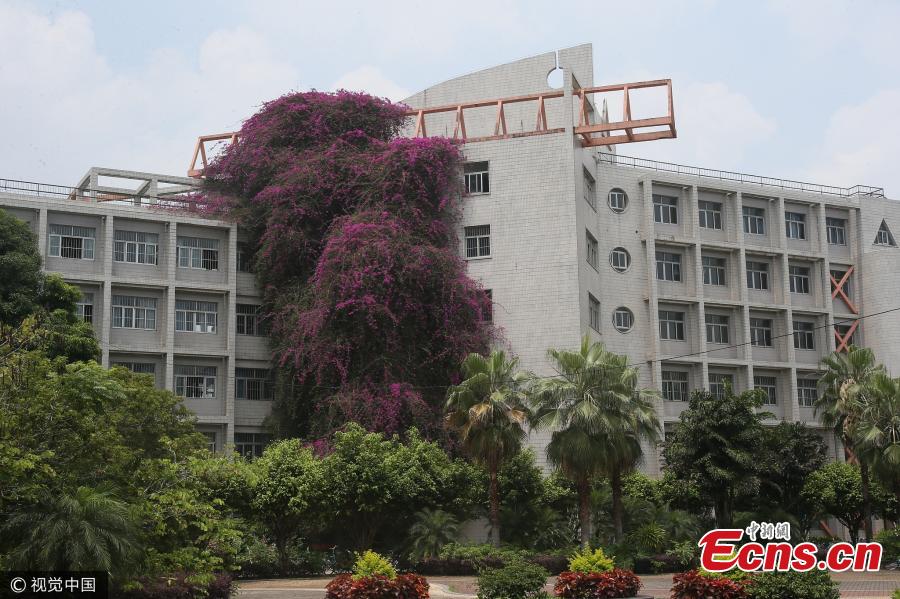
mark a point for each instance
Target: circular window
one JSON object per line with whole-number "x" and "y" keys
{"x": 617, "y": 200}
{"x": 623, "y": 319}
{"x": 619, "y": 259}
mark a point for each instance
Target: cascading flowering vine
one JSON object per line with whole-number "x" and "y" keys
{"x": 352, "y": 233}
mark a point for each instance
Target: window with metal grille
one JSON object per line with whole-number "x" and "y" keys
{"x": 754, "y": 220}
{"x": 719, "y": 383}
{"x": 799, "y": 279}
{"x": 138, "y": 367}
{"x": 836, "y": 230}
{"x": 804, "y": 337}
{"x": 619, "y": 259}
{"x": 594, "y": 312}
{"x": 795, "y": 225}
{"x": 716, "y": 328}
{"x": 253, "y": 384}
{"x": 710, "y": 215}
{"x": 675, "y": 385}
{"x": 848, "y": 284}
{"x": 250, "y": 445}
{"x": 198, "y": 252}
{"x": 478, "y": 241}
{"x": 617, "y": 200}
{"x": 249, "y": 320}
{"x": 193, "y": 316}
{"x": 807, "y": 392}
{"x": 244, "y": 257}
{"x": 84, "y": 307}
{"x": 665, "y": 209}
{"x": 70, "y": 241}
{"x": 592, "y": 249}
{"x": 133, "y": 312}
{"x": 135, "y": 247}
{"x": 590, "y": 188}
{"x": 761, "y": 332}
{"x": 668, "y": 266}
{"x": 477, "y": 178}
{"x": 757, "y": 275}
{"x": 195, "y": 382}
{"x": 884, "y": 235}
{"x": 671, "y": 325}
{"x": 623, "y": 319}
{"x": 769, "y": 385}
{"x": 714, "y": 271}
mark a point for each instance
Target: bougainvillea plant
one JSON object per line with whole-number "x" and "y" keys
{"x": 352, "y": 232}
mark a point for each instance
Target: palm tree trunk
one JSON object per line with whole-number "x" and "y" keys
{"x": 495, "y": 507}
{"x": 584, "y": 512}
{"x": 615, "y": 481}
{"x": 867, "y": 499}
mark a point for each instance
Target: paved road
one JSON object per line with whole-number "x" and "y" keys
{"x": 877, "y": 585}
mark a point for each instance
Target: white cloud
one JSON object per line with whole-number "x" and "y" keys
{"x": 372, "y": 81}
{"x": 861, "y": 145}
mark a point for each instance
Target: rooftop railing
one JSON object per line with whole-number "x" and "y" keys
{"x": 31, "y": 188}
{"x": 696, "y": 171}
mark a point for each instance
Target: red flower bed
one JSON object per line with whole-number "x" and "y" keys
{"x": 597, "y": 585}
{"x": 405, "y": 586}
{"x": 693, "y": 585}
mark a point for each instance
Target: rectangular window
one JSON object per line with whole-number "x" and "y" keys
{"x": 668, "y": 266}
{"x": 803, "y": 335}
{"x": 754, "y": 220}
{"x": 594, "y": 312}
{"x": 757, "y": 275}
{"x": 590, "y": 189}
{"x": 196, "y": 317}
{"x": 487, "y": 313}
{"x": 197, "y": 252}
{"x": 674, "y": 385}
{"x": 476, "y": 178}
{"x": 716, "y": 328}
{"x": 718, "y": 383}
{"x": 838, "y": 275}
{"x": 135, "y": 247}
{"x": 478, "y": 241}
{"x": 249, "y": 320}
{"x": 671, "y": 325}
{"x": 761, "y": 332}
{"x": 795, "y": 225}
{"x": 710, "y": 215}
{"x": 807, "y": 392}
{"x": 70, "y": 241}
{"x": 714, "y": 271}
{"x": 132, "y": 312}
{"x": 244, "y": 257}
{"x": 592, "y": 249}
{"x": 799, "y": 279}
{"x": 210, "y": 441}
{"x": 84, "y": 307}
{"x": 138, "y": 367}
{"x": 254, "y": 384}
{"x": 250, "y": 445}
{"x": 665, "y": 209}
{"x": 769, "y": 385}
{"x": 195, "y": 382}
{"x": 836, "y": 229}
{"x": 843, "y": 329}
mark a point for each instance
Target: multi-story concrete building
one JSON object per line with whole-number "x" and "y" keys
{"x": 699, "y": 276}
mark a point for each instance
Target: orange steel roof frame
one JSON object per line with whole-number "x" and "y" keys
{"x": 592, "y": 134}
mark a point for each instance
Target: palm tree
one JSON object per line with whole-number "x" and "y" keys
{"x": 432, "y": 530}
{"x": 489, "y": 412}
{"x": 599, "y": 418}
{"x": 844, "y": 394}
{"x": 878, "y": 431}
{"x": 89, "y": 529}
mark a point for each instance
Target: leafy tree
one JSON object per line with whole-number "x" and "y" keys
{"x": 599, "y": 420}
{"x": 877, "y": 436}
{"x": 20, "y": 270}
{"x": 286, "y": 495}
{"x": 844, "y": 393}
{"x": 431, "y": 530}
{"x": 717, "y": 445}
{"x": 89, "y": 529}
{"x": 836, "y": 489}
{"x": 488, "y": 410}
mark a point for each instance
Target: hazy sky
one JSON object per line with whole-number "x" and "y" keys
{"x": 796, "y": 89}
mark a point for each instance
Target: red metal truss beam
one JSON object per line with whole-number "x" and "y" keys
{"x": 837, "y": 288}
{"x": 843, "y": 341}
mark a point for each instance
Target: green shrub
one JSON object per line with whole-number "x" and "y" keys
{"x": 896, "y": 594}
{"x": 890, "y": 545}
{"x": 516, "y": 580}
{"x": 587, "y": 561}
{"x": 370, "y": 563}
{"x": 793, "y": 585}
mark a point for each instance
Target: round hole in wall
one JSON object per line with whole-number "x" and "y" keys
{"x": 555, "y": 78}
{"x": 619, "y": 259}
{"x": 617, "y": 200}
{"x": 623, "y": 319}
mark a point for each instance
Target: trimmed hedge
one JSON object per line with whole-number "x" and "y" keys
{"x": 614, "y": 584}
{"x": 515, "y": 580}
{"x": 694, "y": 585}
{"x": 454, "y": 566}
